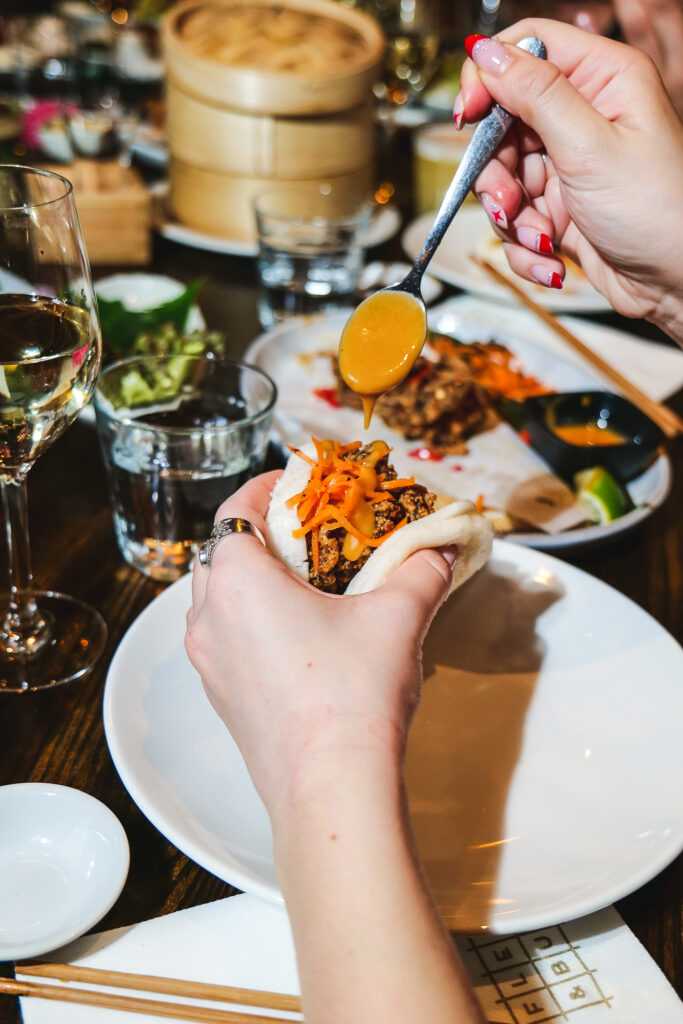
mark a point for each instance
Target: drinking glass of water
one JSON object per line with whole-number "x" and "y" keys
{"x": 179, "y": 434}
{"x": 310, "y": 251}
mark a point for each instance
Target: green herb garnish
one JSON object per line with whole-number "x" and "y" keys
{"x": 121, "y": 326}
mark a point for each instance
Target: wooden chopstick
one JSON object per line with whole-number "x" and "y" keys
{"x": 666, "y": 418}
{"x": 132, "y": 1004}
{"x": 165, "y": 986}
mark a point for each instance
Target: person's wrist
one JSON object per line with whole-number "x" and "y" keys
{"x": 336, "y": 768}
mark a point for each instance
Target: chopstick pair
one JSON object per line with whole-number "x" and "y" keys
{"x": 149, "y": 983}
{"x": 665, "y": 418}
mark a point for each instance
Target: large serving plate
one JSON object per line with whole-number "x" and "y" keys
{"x": 291, "y": 355}
{"x": 545, "y": 768}
{"x": 471, "y": 232}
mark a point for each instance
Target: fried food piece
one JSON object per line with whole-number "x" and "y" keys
{"x": 443, "y": 403}
{"x": 336, "y": 571}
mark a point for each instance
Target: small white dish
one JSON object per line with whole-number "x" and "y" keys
{"x": 63, "y": 862}
{"x": 145, "y": 291}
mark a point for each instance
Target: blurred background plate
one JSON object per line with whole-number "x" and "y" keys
{"x": 386, "y": 221}
{"x": 145, "y": 291}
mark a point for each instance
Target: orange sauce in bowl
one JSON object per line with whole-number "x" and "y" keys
{"x": 588, "y": 435}
{"x": 380, "y": 343}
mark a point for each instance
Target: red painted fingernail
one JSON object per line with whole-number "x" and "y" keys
{"x": 548, "y": 278}
{"x": 494, "y": 210}
{"x": 471, "y": 42}
{"x": 545, "y": 244}
{"x": 458, "y": 110}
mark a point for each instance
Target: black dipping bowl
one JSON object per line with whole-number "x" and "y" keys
{"x": 623, "y": 461}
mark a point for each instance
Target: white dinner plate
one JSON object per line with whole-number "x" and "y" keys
{"x": 545, "y": 768}
{"x": 471, "y": 232}
{"x": 386, "y": 221}
{"x": 291, "y": 354}
{"x": 63, "y": 862}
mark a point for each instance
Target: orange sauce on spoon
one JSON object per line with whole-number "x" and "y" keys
{"x": 380, "y": 343}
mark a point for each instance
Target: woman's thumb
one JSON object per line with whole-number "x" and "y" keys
{"x": 422, "y": 582}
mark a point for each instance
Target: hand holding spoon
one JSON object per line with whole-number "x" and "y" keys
{"x": 385, "y": 334}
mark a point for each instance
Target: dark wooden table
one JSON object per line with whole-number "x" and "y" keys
{"x": 58, "y": 736}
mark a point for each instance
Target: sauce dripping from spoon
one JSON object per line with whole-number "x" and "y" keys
{"x": 380, "y": 343}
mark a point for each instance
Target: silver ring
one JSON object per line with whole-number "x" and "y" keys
{"x": 223, "y": 528}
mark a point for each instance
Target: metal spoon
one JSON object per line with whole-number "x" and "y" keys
{"x": 375, "y": 352}
{"x": 485, "y": 141}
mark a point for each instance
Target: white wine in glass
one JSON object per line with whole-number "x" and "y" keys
{"x": 412, "y": 51}
{"x": 50, "y": 354}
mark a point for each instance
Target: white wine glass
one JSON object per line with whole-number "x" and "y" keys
{"x": 412, "y": 52}
{"x": 50, "y": 354}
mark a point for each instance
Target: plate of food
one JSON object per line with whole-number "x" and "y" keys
{"x": 527, "y": 802}
{"x": 446, "y": 425}
{"x": 385, "y": 222}
{"x": 471, "y": 233}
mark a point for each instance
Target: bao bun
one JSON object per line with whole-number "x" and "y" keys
{"x": 457, "y": 524}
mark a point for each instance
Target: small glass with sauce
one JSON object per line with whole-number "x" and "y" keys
{"x": 578, "y": 430}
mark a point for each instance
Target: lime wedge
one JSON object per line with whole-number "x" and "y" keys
{"x": 603, "y": 497}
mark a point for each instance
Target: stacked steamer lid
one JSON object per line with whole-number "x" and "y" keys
{"x": 263, "y": 95}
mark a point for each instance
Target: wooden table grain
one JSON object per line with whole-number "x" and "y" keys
{"x": 58, "y": 736}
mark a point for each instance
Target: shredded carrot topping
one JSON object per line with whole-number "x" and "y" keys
{"x": 340, "y": 489}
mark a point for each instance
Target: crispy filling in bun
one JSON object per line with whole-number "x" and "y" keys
{"x": 342, "y": 518}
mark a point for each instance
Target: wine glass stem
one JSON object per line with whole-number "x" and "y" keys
{"x": 24, "y": 631}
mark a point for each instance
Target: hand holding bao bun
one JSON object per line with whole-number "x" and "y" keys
{"x": 341, "y": 518}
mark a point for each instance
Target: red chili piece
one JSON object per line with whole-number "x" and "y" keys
{"x": 426, "y": 454}
{"x": 328, "y": 395}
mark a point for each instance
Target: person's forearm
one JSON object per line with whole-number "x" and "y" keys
{"x": 369, "y": 940}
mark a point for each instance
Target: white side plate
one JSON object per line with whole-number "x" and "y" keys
{"x": 63, "y": 862}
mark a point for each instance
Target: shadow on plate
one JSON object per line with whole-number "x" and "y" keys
{"x": 481, "y": 663}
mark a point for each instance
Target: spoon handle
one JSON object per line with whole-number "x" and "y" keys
{"x": 483, "y": 145}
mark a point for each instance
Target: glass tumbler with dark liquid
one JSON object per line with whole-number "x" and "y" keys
{"x": 179, "y": 435}
{"x": 50, "y": 353}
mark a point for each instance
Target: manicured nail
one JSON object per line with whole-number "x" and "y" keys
{"x": 548, "y": 278}
{"x": 490, "y": 55}
{"x": 586, "y": 21}
{"x": 494, "y": 210}
{"x": 471, "y": 42}
{"x": 535, "y": 240}
{"x": 458, "y": 110}
{"x": 449, "y": 555}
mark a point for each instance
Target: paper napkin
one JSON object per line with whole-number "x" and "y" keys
{"x": 655, "y": 368}
{"x": 590, "y": 971}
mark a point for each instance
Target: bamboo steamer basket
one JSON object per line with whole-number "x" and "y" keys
{"x": 221, "y": 204}
{"x": 220, "y": 139}
{"x": 205, "y": 60}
